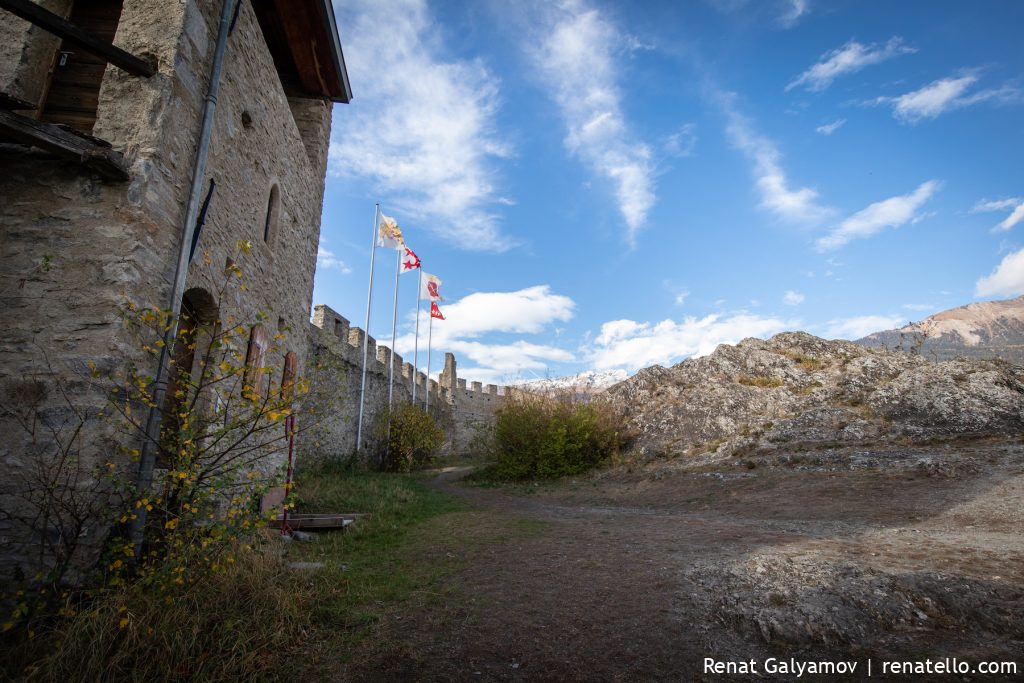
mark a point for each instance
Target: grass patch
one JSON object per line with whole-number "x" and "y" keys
{"x": 372, "y": 562}
{"x": 760, "y": 381}
{"x": 807, "y": 363}
{"x": 258, "y": 619}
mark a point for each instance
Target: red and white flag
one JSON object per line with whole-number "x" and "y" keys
{"x": 435, "y": 312}
{"x": 409, "y": 261}
{"x": 389, "y": 235}
{"x": 430, "y": 288}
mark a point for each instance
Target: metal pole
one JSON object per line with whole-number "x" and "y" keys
{"x": 394, "y": 322}
{"x": 366, "y": 329}
{"x": 416, "y": 343}
{"x": 147, "y": 458}
{"x": 430, "y": 334}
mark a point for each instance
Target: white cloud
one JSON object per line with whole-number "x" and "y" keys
{"x": 829, "y": 128}
{"x": 848, "y": 59}
{"x": 326, "y": 259}
{"x": 797, "y": 205}
{"x": 794, "y": 10}
{"x": 791, "y": 298}
{"x": 633, "y": 345}
{"x": 946, "y": 94}
{"x": 919, "y": 307}
{"x": 506, "y": 363}
{"x": 1014, "y": 203}
{"x": 526, "y": 311}
{"x": 575, "y": 54}
{"x": 861, "y": 326}
{"x": 889, "y": 213}
{"x": 421, "y": 128}
{"x": 1006, "y": 280}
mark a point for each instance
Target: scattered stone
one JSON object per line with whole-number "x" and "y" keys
{"x": 305, "y": 566}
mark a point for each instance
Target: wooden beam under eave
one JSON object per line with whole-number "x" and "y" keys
{"x": 310, "y": 50}
{"x": 59, "y": 142}
{"x": 58, "y": 26}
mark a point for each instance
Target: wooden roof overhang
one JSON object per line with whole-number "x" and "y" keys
{"x": 303, "y": 39}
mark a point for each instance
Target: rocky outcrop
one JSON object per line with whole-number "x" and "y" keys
{"x": 796, "y": 388}
{"x": 987, "y": 329}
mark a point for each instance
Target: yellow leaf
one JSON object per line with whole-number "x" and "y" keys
{"x": 124, "y": 622}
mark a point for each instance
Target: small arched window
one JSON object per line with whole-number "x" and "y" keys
{"x": 273, "y": 216}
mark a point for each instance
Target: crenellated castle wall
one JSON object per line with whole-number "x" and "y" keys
{"x": 335, "y": 370}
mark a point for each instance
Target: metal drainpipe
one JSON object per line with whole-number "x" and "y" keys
{"x": 147, "y": 459}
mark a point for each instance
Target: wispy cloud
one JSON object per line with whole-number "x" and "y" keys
{"x": 327, "y": 260}
{"x": 946, "y": 94}
{"x": 919, "y": 307}
{"x": 633, "y": 345}
{"x": 848, "y": 59}
{"x": 794, "y": 10}
{"x": 829, "y": 128}
{"x": 575, "y": 50}
{"x": 1015, "y": 204}
{"x": 1006, "y": 280}
{"x": 471, "y": 319}
{"x": 791, "y": 298}
{"x": 777, "y": 196}
{"x": 861, "y": 326}
{"x": 889, "y": 213}
{"x": 421, "y": 127}
{"x": 682, "y": 142}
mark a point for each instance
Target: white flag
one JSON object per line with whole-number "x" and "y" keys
{"x": 389, "y": 235}
{"x": 430, "y": 288}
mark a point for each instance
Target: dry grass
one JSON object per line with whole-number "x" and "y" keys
{"x": 760, "y": 381}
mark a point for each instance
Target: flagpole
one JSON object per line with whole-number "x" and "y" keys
{"x": 394, "y": 321}
{"x": 366, "y": 328}
{"x": 416, "y": 344}
{"x": 430, "y": 334}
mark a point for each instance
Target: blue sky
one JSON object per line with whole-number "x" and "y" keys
{"x": 612, "y": 185}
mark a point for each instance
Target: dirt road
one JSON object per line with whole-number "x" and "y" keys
{"x": 903, "y": 555}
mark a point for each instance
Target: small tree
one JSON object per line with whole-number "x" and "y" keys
{"x": 226, "y": 421}
{"x": 407, "y": 438}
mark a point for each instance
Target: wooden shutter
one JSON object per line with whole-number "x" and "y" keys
{"x": 255, "y": 357}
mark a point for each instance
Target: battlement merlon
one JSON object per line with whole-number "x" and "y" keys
{"x": 330, "y": 321}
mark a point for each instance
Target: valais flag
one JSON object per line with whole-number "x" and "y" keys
{"x": 409, "y": 260}
{"x": 430, "y": 287}
{"x": 435, "y": 312}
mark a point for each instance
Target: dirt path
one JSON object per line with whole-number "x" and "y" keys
{"x": 642, "y": 576}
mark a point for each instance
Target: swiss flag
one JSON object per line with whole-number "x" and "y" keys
{"x": 435, "y": 312}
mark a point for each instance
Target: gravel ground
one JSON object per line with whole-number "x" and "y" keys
{"x": 895, "y": 554}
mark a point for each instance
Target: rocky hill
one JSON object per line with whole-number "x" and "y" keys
{"x": 799, "y": 389}
{"x": 989, "y": 329}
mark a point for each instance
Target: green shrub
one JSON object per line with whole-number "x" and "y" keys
{"x": 407, "y": 438}
{"x": 551, "y": 436}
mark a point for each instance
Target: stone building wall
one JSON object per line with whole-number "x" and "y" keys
{"x": 74, "y": 248}
{"x": 335, "y": 363}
